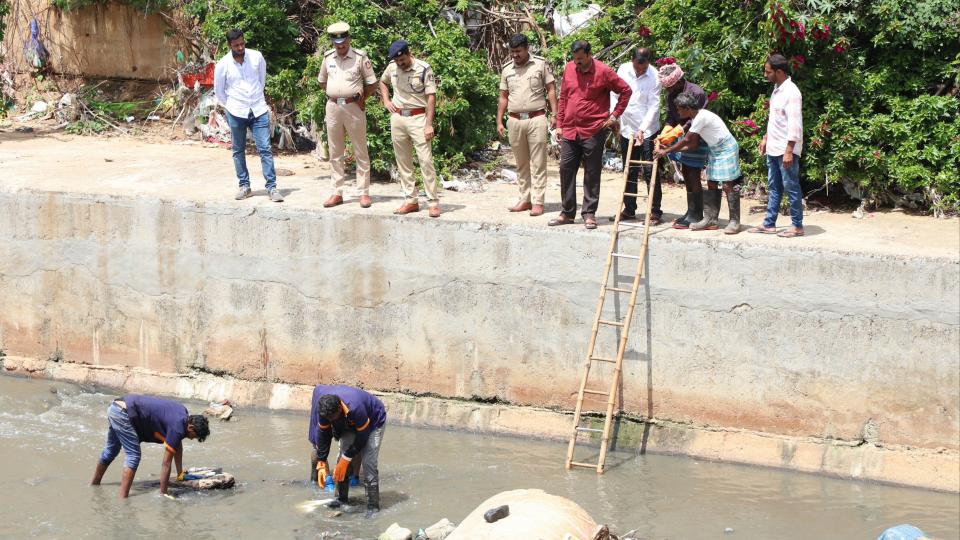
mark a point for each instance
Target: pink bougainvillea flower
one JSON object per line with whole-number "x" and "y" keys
{"x": 644, "y": 31}
{"x": 816, "y": 143}
{"x": 666, "y": 60}
{"x": 800, "y": 59}
{"x": 713, "y": 96}
{"x": 839, "y": 48}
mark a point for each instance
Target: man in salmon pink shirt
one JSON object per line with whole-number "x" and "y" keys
{"x": 583, "y": 121}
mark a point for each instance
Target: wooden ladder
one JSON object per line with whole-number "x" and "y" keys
{"x": 623, "y": 324}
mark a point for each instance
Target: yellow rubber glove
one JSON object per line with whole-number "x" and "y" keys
{"x": 340, "y": 473}
{"x": 181, "y": 476}
{"x": 323, "y": 470}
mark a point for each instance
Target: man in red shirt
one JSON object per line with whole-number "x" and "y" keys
{"x": 583, "y": 121}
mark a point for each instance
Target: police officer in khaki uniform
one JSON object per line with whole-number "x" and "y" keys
{"x": 348, "y": 78}
{"x": 526, "y": 84}
{"x": 411, "y": 123}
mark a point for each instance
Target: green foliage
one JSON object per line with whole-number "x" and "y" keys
{"x": 86, "y": 127}
{"x": 4, "y": 10}
{"x": 265, "y": 24}
{"x": 868, "y": 71}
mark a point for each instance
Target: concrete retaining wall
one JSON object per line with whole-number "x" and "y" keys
{"x": 786, "y": 341}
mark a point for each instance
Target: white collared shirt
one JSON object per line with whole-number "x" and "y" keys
{"x": 786, "y": 119}
{"x": 239, "y": 87}
{"x": 643, "y": 111}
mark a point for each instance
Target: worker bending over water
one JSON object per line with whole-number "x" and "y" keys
{"x": 356, "y": 419}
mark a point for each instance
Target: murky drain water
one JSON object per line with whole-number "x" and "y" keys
{"x": 50, "y": 443}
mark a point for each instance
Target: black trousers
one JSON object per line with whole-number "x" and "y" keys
{"x": 641, "y": 152}
{"x": 573, "y": 154}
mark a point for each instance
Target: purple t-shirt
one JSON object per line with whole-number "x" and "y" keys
{"x": 157, "y": 420}
{"x": 673, "y": 115}
{"x": 363, "y": 413}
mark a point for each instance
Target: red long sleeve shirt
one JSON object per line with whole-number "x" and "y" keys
{"x": 585, "y": 99}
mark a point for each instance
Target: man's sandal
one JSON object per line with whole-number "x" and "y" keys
{"x": 562, "y": 220}
{"x": 791, "y": 233}
{"x": 763, "y": 230}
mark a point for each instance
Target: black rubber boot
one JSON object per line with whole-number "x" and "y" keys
{"x": 733, "y": 201}
{"x": 694, "y": 211}
{"x": 343, "y": 491}
{"x": 373, "y": 500}
{"x": 711, "y": 210}
{"x": 313, "y": 468}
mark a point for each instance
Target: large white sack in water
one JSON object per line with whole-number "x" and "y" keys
{"x": 534, "y": 515}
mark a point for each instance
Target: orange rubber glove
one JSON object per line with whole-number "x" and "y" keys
{"x": 670, "y": 134}
{"x": 323, "y": 470}
{"x": 340, "y": 472}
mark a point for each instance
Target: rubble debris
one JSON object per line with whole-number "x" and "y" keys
{"x": 496, "y": 514}
{"x": 220, "y": 409}
{"x": 565, "y": 24}
{"x": 439, "y": 530}
{"x": 67, "y": 109}
{"x": 396, "y": 532}
{"x": 206, "y": 478}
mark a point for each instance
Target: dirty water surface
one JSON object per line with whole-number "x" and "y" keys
{"x": 52, "y": 434}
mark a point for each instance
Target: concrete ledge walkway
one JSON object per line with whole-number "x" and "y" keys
{"x": 203, "y": 174}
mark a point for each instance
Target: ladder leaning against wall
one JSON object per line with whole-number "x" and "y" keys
{"x": 612, "y": 391}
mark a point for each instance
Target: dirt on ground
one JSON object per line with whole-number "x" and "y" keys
{"x": 161, "y": 162}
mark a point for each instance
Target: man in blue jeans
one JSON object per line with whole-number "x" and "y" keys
{"x": 238, "y": 83}
{"x": 134, "y": 419}
{"x": 782, "y": 146}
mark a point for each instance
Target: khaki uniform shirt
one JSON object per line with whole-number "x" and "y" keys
{"x": 526, "y": 85}
{"x": 410, "y": 86}
{"x": 345, "y": 77}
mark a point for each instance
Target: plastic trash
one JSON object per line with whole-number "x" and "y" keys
{"x": 902, "y": 532}
{"x": 330, "y": 486}
{"x": 37, "y": 55}
{"x": 40, "y": 107}
{"x": 567, "y": 23}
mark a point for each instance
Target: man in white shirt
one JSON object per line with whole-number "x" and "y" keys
{"x": 238, "y": 82}
{"x": 641, "y": 119}
{"x": 782, "y": 146}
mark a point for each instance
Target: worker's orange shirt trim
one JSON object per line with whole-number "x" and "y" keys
{"x": 159, "y": 436}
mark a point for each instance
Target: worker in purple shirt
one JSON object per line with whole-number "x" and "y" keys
{"x": 135, "y": 419}
{"x": 356, "y": 419}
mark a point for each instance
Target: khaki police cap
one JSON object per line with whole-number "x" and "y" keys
{"x": 338, "y": 32}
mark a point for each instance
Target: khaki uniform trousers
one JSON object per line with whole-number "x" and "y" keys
{"x": 407, "y": 132}
{"x": 343, "y": 120}
{"x": 529, "y": 141}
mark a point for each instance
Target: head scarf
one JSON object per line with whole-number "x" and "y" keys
{"x": 669, "y": 75}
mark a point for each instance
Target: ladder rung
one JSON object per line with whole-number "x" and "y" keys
{"x": 584, "y": 465}
{"x": 602, "y": 359}
{"x": 590, "y": 429}
{"x": 595, "y": 392}
{"x": 625, "y": 256}
{"x": 610, "y": 323}
{"x": 633, "y": 225}
{"x": 617, "y": 289}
